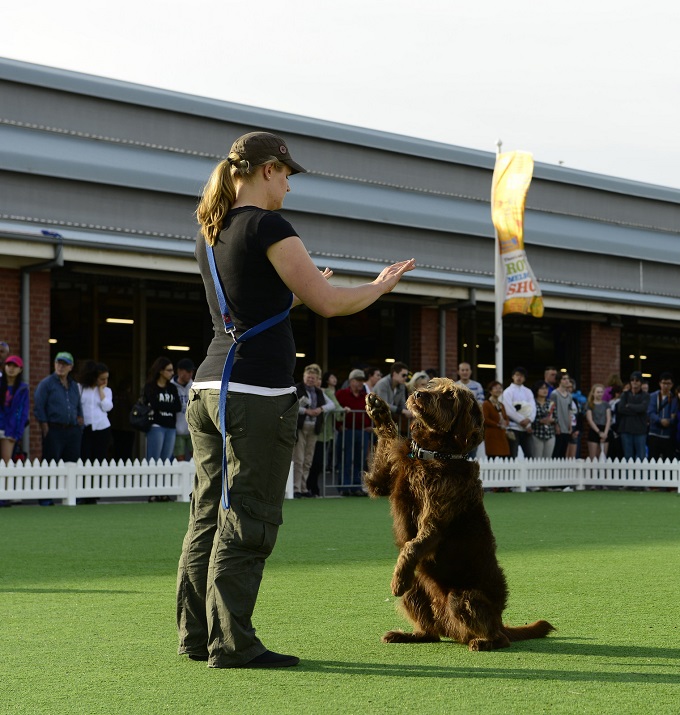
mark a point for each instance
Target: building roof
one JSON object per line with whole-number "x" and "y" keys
{"x": 170, "y": 101}
{"x": 116, "y": 166}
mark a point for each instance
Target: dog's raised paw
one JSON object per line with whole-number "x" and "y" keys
{"x": 377, "y": 408}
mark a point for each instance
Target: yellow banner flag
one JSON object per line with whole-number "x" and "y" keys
{"x": 511, "y": 179}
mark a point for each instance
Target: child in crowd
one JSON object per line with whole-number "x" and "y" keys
{"x": 598, "y": 419}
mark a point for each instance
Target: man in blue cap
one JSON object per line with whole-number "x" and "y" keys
{"x": 58, "y": 409}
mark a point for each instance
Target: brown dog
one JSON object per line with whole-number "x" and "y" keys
{"x": 447, "y": 573}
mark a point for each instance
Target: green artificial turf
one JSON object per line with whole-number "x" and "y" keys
{"x": 87, "y": 613}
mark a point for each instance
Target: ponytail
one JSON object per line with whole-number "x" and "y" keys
{"x": 218, "y": 196}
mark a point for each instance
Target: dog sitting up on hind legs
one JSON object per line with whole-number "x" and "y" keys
{"x": 447, "y": 574}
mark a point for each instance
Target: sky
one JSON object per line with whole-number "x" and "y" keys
{"x": 591, "y": 84}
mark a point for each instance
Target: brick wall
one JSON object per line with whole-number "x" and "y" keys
{"x": 39, "y": 352}
{"x": 425, "y": 340}
{"x": 10, "y": 308}
{"x": 601, "y": 354}
{"x": 37, "y": 355}
{"x": 451, "y": 343}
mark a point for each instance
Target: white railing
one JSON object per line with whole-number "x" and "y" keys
{"x": 524, "y": 474}
{"x": 69, "y": 481}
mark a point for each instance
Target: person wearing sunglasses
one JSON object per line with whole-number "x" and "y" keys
{"x": 392, "y": 389}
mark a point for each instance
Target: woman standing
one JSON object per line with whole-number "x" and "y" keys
{"x": 259, "y": 260}
{"x": 495, "y": 423}
{"x": 13, "y": 406}
{"x": 576, "y": 412}
{"x": 323, "y": 451}
{"x": 163, "y": 397}
{"x": 543, "y": 428}
{"x": 599, "y": 419}
{"x": 97, "y": 400}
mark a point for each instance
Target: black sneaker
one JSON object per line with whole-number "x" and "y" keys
{"x": 269, "y": 659}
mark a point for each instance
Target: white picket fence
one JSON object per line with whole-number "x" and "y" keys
{"x": 526, "y": 474}
{"x": 69, "y": 481}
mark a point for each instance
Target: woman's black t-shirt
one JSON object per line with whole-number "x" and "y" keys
{"x": 254, "y": 292}
{"x": 165, "y": 403}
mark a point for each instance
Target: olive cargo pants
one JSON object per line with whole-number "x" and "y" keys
{"x": 224, "y": 551}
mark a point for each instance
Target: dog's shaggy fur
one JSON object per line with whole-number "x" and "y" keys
{"x": 447, "y": 573}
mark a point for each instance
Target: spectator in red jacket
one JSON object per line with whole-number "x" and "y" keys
{"x": 356, "y": 434}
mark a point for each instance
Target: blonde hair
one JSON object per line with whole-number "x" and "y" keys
{"x": 591, "y": 394}
{"x": 219, "y": 193}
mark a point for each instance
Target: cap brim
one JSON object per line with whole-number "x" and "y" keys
{"x": 297, "y": 169}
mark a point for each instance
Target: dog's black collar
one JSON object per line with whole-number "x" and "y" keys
{"x": 420, "y": 453}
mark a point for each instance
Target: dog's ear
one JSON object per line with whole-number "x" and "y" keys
{"x": 476, "y": 434}
{"x": 467, "y": 429}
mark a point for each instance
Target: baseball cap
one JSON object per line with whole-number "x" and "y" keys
{"x": 64, "y": 357}
{"x": 14, "y": 360}
{"x": 259, "y": 148}
{"x": 357, "y": 375}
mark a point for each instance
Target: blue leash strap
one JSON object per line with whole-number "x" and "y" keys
{"x": 229, "y": 362}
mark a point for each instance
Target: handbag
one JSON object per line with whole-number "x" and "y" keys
{"x": 141, "y": 416}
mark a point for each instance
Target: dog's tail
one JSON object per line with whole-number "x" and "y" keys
{"x": 538, "y": 629}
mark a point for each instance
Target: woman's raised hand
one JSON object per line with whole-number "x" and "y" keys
{"x": 391, "y": 275}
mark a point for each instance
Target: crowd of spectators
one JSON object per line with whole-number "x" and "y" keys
{"x": 74, "y": 410}
{"x": 552, "y": 419}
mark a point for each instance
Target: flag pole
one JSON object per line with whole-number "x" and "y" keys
{"x": 499, "y": 282}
